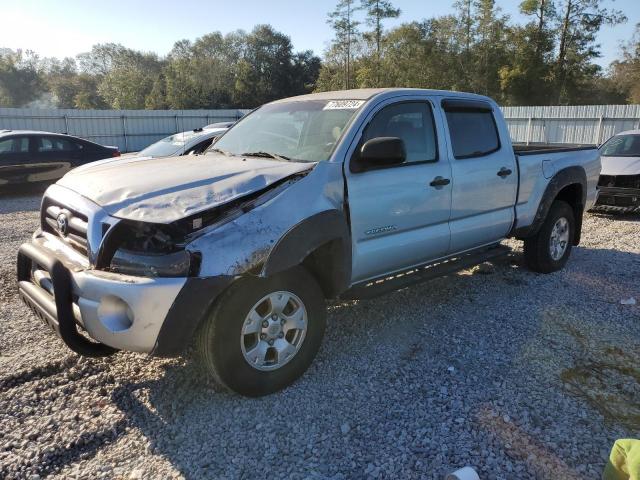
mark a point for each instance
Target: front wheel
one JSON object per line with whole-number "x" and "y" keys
{"x": 549, "y": 250}
{"x": 263, "y": 333}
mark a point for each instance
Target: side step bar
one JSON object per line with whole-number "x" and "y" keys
{"x": 397, "y": 281}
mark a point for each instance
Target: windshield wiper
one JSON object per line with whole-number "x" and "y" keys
{"x": 265, "y": 155}
{"x": 217, "y": 150}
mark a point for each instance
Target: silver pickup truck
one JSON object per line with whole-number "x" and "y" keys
{"x": 340, "y": 194}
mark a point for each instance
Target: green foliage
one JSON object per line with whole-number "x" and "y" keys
{"x": 240, "y": 70}
{"x": 546, "y": 60}
{"x": 20, "y": 78}
{"x": 345, "y": 27}
{"x": 626, "y": 72}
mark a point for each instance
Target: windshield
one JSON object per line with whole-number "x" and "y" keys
{"x": 621, "y": 146}
{"x": 171, "y": 145}
{"x": 298, "y": 130}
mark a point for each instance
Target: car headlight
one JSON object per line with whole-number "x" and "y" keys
{"x": 150, "y": 250}
{"x": 177, "y": 264}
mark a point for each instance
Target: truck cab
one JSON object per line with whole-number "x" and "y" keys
{"x": 351, "y": 194}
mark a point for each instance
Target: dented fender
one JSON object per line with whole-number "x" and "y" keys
{"x": 277, "y": 233}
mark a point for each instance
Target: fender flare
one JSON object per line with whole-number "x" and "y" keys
{"x": 306, "y": 237}
{"x": 563, "y": 178}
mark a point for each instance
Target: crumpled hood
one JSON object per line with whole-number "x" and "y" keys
{"x": 162, "y": 190}
{"x": 620, "y": 165}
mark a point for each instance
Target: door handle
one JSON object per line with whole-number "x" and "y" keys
{"x": 504, "y": 172}
{"x": 440, "y": 182}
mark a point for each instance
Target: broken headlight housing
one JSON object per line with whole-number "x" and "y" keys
{"x": 149, "y": 250}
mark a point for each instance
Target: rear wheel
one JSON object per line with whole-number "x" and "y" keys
{"x": 263, "y": 333}
{"x": 549, "y": 250}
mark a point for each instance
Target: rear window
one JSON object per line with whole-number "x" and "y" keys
{"x": 473, "y": 133}
{"x": 55, "y": 144}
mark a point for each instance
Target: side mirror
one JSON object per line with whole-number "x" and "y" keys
{"x": 381, "y": 152}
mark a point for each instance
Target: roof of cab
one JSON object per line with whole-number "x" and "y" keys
{"x": 628, "y": 132}
{"x": 368, "y": 93}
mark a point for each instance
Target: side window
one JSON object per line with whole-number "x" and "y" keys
{"x": 473, "y": 132}
{"x": 6, "y": 146}
{"x": 14, "y": 145}
{"x": 413, "y": 123}
{"x": 55, "y": 144}
{"x": 202, "y": 146}
{"x": 44, "y": 144}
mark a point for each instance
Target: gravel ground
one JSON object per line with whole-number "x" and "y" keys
{"x": 517, "y": 374}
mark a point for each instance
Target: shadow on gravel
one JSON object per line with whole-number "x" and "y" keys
{"x": 14, "y": 202}
{"x": 177, "y": 403}
{"x": 624, "y": 216}
{"x": 37, "y": 373}
{"x": 196, "y": 428}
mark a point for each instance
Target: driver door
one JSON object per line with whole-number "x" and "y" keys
{"x": 400, "y": 213}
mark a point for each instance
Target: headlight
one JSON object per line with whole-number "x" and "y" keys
{"x": 149, "y": 250}
{"x": 177, "y": 264}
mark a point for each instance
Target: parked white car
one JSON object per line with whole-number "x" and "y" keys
{"x": 620, "y": 177}
{"x": 183, "y": 143}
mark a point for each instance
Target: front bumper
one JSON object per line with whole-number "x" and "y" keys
{"x": 618, "y": 198}
{"x": 119, "y": 311}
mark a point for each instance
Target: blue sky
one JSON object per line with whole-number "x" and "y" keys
{"x": 68, "y": 27}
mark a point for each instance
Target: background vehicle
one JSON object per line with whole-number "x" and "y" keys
{"x": 225, "y": 125}
{"x": 42, "y": 157}
{"x": 620, "y": 177}
{"x": 349, "y": 193}
{"x": 184, "y": 143}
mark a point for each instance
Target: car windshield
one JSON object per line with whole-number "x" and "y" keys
{"x": 303, "y": 130}
{"x": 171, "y": 145}
{"x": 621, "y": 146}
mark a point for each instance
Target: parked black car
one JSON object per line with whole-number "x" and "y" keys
{"x": 30, "y": 157}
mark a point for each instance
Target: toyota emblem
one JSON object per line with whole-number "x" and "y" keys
{"x": 63, "y": 223}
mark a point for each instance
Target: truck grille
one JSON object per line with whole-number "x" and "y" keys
{"x": 619, "y": 181}
{"x": 66, "y": 223}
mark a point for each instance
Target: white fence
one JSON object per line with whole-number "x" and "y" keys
{"x": 133, "y": 130}
{"x": 130, "y": 130}
{"x": 588, "y": 124}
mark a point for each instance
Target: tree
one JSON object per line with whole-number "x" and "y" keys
{"x": 20, "y": 78}
{"x": 345, "y": 28}
{"x": 376, "y": 12}
{"x": 87, "y": 92}
{"x": 157, "y": 97}
{"x": 527, "y": 77}
{"x": 626, "y": 71}
{"x": 61, "y": 80}
{"x": 102, "y": 58}
{"x": 578, "y": 26}
{"x": 489, "y": 48}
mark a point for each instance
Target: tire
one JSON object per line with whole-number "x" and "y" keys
{"x": 226, "y": 349}
{"x": 538, "y": 249}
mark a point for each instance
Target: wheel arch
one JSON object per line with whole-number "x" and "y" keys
{"x": 569, "y": 185}
{"x": 321, "y": 243}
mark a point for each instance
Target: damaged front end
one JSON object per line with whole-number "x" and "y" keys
{"x": 144, "y": 286}
{"x": 163, "y": 250}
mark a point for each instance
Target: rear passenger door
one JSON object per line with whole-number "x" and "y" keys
{"x": 485, "y": 179}
{"x": 398, "y": 219}
{"x": 52, "y": 157}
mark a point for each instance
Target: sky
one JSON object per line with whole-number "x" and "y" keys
{"x": 60, "y": 28}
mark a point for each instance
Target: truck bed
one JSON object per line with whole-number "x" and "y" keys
{"x": 533, "y": 148}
